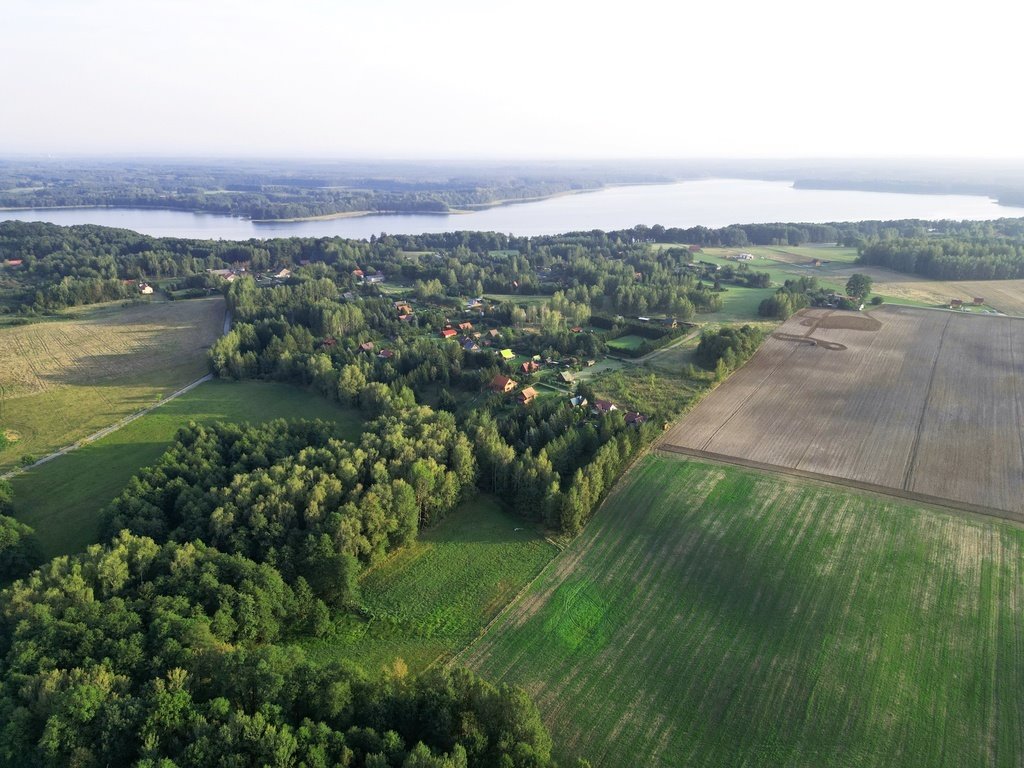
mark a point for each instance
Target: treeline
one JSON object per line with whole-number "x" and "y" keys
{"x": 949, "y": 258}
{"x": 19, "y": 549}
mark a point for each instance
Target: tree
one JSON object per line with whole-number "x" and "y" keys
{"x": 858, "y": 285}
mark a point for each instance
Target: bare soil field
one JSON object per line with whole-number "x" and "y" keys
{"x": 924, "y": 404}
{"x": 63, "y": 380}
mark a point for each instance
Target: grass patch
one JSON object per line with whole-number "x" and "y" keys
{"x": 630, "y": 342}
{"x": 62, "y": 499}
{"x": 647, "y": 391}
{"x": 62, "y": 380}
{"x": 527, "y": 299}
{"x": 712, "y": 615}
{"x": 431, "y": 599}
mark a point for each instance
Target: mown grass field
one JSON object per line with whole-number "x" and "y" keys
{"x": 431, "y": 599}
{"x": 63, "y": 380}
{"x": 711, "y": 615}
{"x": 629, "y": 342}
{"x": 62, "y": 499}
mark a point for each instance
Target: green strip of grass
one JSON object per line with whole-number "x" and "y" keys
{"x": 711, "y": 615}
{"x": 62, "y": 499}
{"x": 431, "y": 599}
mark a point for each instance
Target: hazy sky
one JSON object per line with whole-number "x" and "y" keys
{"x": 391, "y": 78}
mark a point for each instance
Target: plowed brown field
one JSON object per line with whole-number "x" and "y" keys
{"x": 926, "y": 404}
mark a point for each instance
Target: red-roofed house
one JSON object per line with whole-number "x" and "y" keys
{"x": 604, "y": 406}
{"x": 448, "y": 333}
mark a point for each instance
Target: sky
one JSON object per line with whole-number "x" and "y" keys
{"x": 525, "y": 79}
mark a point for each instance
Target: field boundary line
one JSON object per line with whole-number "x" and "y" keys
{"x": 946, "y": 505}
{"x": 108, "y": 430}
{"x": 912, "y": 457}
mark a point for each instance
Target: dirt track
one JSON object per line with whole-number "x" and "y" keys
{"x": 929, "y": 405}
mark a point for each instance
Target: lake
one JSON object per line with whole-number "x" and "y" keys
{"x": 709, "y": 202}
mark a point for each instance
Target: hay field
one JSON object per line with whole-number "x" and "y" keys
{"x": 63, "y": 380}
{"x": 926, "y": 404}
{"x": 716, "y": 616}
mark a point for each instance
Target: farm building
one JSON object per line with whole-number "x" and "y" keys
{"x": 503, "y": 384}
{"x": 527, "y": 395}
{"x": 956, "y": 303}
{"x": 978, "y": 301}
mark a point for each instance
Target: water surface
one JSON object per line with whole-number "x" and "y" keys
{"x": 709, "y": 203}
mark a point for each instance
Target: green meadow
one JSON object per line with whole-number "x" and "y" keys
{"x": 429, "y": 600}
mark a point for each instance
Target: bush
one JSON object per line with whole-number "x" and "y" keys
{"x": 876, "y": 300}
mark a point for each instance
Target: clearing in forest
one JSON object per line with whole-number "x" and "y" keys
{"x": 432, "y": 598}
{"x": 65, "y": 379}
{"x": 924, "y": 404}
{"x": 715, "y": 615}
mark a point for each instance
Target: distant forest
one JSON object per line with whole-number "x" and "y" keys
{"x": 285, "y": 192}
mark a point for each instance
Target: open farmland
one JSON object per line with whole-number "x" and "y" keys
{"x": 63, "y": 380}
{"x": 925, "y": 404}
{"x": 713, "y": 615}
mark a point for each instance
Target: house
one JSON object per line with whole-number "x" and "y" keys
{"x": 502, "y": 384}
{"x": 506, "y": 354}
{"x": 473, "y": 304}
{"x": 745, "y": 257}
{"x": 221, "y": 272}
{"x": 529, "y": 367}
{"x": 282, "y": 274}
{"x": 578, "y": 401}
{"x": 405, "y": 318}
{"x": 231, "y": 278}
{"x": 372, "y": 279}
{"x": 670, "y": 322}
{"x": 644, "y": 319}
{"x": 465, "y": 326}
{"x": 494, "y": 333}
{"x": 12, "y": 262}
{"x": 402, "y": 308}
{"x": 527, "y": 395}
{"x": 566, "y": 377}
{"x": 590, "y": 363}
{"x": 604, "y": 406}
{"x": 366, "y": 346}
{"x": 471, "y": 346}
{"x": 448, "y": 333}
{"x": 386, "y": 354}
{"x": 329, "y": 342}
{"x": 145, "y": 289}
{"x": 357, "y": 274}
{"x": 576, "y": 329}
{"x": 635, "y": 419}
